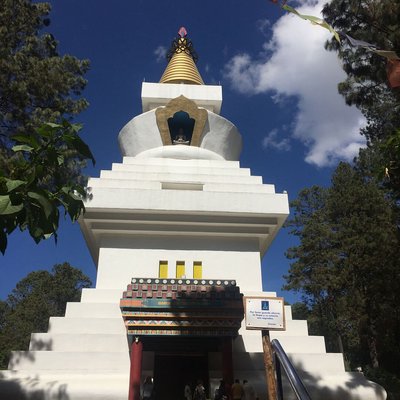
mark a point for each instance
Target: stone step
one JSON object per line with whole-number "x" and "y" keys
{"x": 86, "y": 342}
{"x": 87, "y": 325}
{"x": 52, "y": 385}
{"x": 314, "y": 364}
{"x": 288, "y": 312}
{"x": 343, "y": 386}
{"x": 182, "y": 163}
{"x": 93, "y": 295}
{"x": 156, "y": 185}
{"x": 173, "y": 168}
{"x": 192, "y": 202}
{"x": 180, "y": 177}
{"x": 294, "y": 327}
{"x": 93, "y": 310}
{"x": 69, "y": 361}
{"x": 329, "y": 363}
{"x": 301, "y": 344}
{"x": 125, "y": 183}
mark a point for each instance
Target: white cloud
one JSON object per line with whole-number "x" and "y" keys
{"x": 263, "y": 25}
{"x": 271, "y": 140}
{"x": 161, "y": 53}
{"x": 295, "y": 63}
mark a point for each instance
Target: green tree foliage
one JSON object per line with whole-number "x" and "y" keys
{"x": 37, "y": 85}
{"x": 375, "y": 22}
{"x": 37, "y": 297}
{"x": 41, "y": 155}
{"x": 366, "y": 85}
{"x": 35, "y": 182}
{"x": 347, "y": 266}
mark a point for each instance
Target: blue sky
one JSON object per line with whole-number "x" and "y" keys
{"x": 279, "y": 89}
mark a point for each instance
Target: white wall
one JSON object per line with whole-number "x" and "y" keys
{"x": 220, "y": 260}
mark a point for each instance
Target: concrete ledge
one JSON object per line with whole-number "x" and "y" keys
{"x": 93, "y": 295}
{"x": 288, "y": 312}
{"x": 52, "y": 386}
{"x": 314, "y": 364}
{"x": 294, "y": 327}
{"x": 189, "y": 162}
{"x": 345, "y": 386}
{"x": 125, "y": 183}
{"x": 318, "y": 364}
{"x": 178, "y": 168}
{"x": 93, "y": 310}
{"x": 159, "y": 94}
{"x": 89, "y": 325}
{"x": 301, "y": 344}
{"x": 156, "y": 185}
{"x": 69, "y": 361}
{"x": 79, "y": 342}
{"x": 180, "y": 177}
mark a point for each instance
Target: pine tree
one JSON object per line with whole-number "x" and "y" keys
{"x": 37, "y": 84}
{"x": 347, "y": 265}
{"x": 41, "y": 154}
{"x": 366, "y": 85}
{"x": 37, "y": 297}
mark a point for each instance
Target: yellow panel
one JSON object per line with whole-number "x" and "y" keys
{"x": 163, "y": 269}
{"x": 180, "y": 269}
{"x": 197, "y": 270}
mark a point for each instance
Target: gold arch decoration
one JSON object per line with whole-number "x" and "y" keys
{"x": 181, "y": 103}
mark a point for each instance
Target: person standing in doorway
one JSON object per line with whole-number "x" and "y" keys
{"x": 199, "y": 391}
{"x": 249, "y": 392}
{"x": 237, "y": 390}
{"x": 187, "y": 392}
{"x": 147, "y": 389}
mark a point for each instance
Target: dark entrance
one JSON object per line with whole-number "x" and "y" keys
{"x": 173, "y": 371}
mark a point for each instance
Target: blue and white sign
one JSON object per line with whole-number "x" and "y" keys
{"x": 265, "y": 313}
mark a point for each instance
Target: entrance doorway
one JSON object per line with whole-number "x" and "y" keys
{"x": 173, "y": 371}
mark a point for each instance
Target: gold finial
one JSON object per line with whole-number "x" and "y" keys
{"x": 181, "y": 67}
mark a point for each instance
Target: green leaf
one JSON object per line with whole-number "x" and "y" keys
{"x": 46, "y": 204}
{"x": 48, "y": 130}
{"x": 60, "y": 159}
{"x": 76, "y": 127}
{"x": 80, "y": 146}
{"x": 6, "y": 206}
{"x": 22, "y": 147}
{"x": 14, "y": 184}
{"x": 53, "y": 125}
{"x": 27, "y": 139}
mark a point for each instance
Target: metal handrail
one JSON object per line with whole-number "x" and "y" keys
{"x": 281, "y": 359}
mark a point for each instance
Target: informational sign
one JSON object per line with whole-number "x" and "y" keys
{"x": 265, "y": 313}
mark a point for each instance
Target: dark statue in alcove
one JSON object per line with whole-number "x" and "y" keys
{"x": 181, "y": 128}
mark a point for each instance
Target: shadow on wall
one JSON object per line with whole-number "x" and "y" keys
{"x": 15, "y": 387}
{"x": 354, "y": 385}
{"x": 18, "y": 385}
{"x": 17, "y": 357}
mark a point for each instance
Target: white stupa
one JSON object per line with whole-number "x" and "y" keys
{"x": 177, "y": 223}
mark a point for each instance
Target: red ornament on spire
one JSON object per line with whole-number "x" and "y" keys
{"x": 182, "y": 32}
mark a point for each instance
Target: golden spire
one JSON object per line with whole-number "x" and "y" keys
{"x": 181, "y": 67}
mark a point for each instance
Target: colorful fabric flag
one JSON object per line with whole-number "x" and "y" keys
{"x": 314, "y": 20}
{"x": 393, "y": 59}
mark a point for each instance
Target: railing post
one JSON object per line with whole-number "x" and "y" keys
{"x": 291, "y": 373}
{"x": 279, "y": 387}
{"x": 269, "y": 366}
